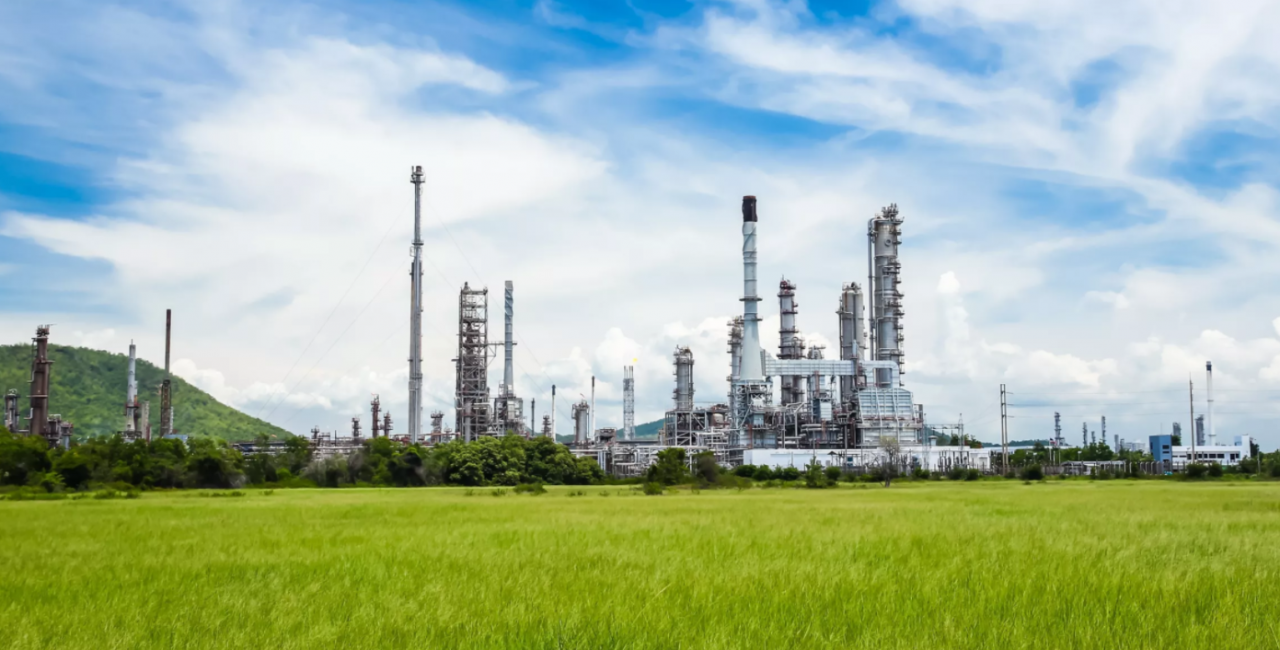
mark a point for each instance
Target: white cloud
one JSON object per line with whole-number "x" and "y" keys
{"x": 256, "y": 203}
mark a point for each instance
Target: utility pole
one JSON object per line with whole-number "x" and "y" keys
{"x": 1004, "y": 430}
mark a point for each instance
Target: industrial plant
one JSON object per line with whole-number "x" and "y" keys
{"x": 849, "y": 407}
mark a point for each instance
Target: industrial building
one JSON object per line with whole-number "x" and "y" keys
{"x": 852, "y": 410}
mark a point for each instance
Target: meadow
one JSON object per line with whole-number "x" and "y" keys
{"x": 1060, "y": 564}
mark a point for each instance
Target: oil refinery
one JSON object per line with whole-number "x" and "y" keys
{"x": 852, "y": 410}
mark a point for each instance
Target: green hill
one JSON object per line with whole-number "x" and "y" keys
{"x": 88, "y": 389}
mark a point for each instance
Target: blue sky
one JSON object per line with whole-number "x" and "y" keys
{"x": 1090, "y": 191}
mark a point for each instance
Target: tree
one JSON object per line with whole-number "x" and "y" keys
{"x": 705, "y": 468}
{"x": 21, "y": 457}
{"x": 814, "y": 475}
{"x": 671, "y": 467}
{"x": 891, "y": 449}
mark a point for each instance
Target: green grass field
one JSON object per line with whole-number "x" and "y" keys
{"x": 1113, "y": 564}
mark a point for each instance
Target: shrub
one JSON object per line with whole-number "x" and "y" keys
{"x": 763, "y": 473}
{"x": 920, "y": 474}
{"x": 1195, "y": 471}
{"x": 814, "y": 476}
{"x": 1275, "y": 470}
{"x": 957, "y": 474}
{"x": 788, "y": 474}
{"x": 1032, "y": 473}
{"x": 833, "y": 473}
{"x": 1215, "y": 470}
{"x": 973, "y": 474}
{"x": 745, "y": 471}
{"x": 653, "y": 488}
{"x": 530, "y": 488}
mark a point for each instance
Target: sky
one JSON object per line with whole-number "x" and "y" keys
{"x": 1090, "y": 190}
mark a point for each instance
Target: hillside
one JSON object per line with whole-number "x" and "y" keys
{"x": 88, "y": 388}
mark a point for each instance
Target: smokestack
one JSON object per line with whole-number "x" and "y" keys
{"x": 533, "y": 416}
{"x": 168, "y": 328}
{"x": 592, "y": 430}
{"x": 751, "y": 370}
{"x": 415, "y": 312}
{"x": 166, "y": 388}
{"x": 131, "y": 392}
{"x": 508, "y": 374}
{"x": 1208, "y": 371}
{"x": 553, "y": 412}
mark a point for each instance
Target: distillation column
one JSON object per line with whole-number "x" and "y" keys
{"x": 792, "y": 390}
{"x": 852, "y": 336}
{"x": 683, "y": 393}
{"x": 628, "y": 402}
{"x": 883, "y": 238}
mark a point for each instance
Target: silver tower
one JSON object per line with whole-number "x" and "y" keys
{"x": 751, "y": 393}
{"x": 509, "y": 408}
{"x": 508, "y": 342}
{"x": 628, "y": 402}
{"x": 415, "y": 313}
{"x": 1208, "y": 371}
{"x": 750, "y": 370}
{"x": 883, "y": 236}
{"x": 131, "y": 392}
{"x": 852, "y": 335}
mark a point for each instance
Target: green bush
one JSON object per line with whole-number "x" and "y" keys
{"x": 833, "y": 473}
{"x": 1032, "y": 473}
{"x": 920, "y": 474}
{"x": 745, "y": 471}
{"x": 762, "y": 473}
{"x": 973, "y": 474}
{"x": 1195, "y": 471}
{"x": 1215, "y": 470}
{"x": 530, "y": 488}
{"x": 957, "y": 474}
{"x": 1275, "y": 470}
{"x": 788, "y": 474}
{"x": 653, "y": 488}
{"x": 814, "y": 476}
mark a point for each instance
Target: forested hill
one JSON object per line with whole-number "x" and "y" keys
{"x": 88, "y": 388}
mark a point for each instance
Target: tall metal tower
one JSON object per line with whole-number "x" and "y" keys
{"x": 852, "y": 336}
{"x": 166, "y": 388}
{"x": 628, "y": 402}
{"x": 131, "y": 392}
{"x": 415, "y": 312}
{"x": 884, "y": 234}
{"x": 789, "y": 345}
{"x": 471, "y": 396}
{"x": 509, "y": 408}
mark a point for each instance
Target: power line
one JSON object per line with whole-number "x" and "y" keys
{"x": 336, "y": 340}
{"x": 333, "y": 311}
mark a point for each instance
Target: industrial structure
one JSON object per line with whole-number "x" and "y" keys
{"x": 415, "y": 312}
{"x": 39, "y": 420}
{"x": 847, "y": 406}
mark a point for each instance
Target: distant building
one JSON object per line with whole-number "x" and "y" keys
{"x": 1163, "y": 450}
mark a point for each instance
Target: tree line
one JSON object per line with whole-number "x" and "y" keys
{"x": 204, "y": 462}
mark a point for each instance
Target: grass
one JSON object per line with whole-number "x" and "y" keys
{"x": 1065, "y": 564}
